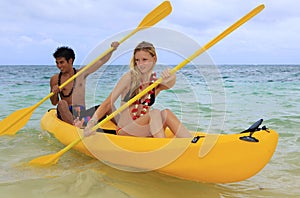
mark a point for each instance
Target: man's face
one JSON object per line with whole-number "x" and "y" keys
{"x": 63, "y": 65}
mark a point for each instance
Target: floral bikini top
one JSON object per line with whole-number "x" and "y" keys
{"x": 149, "y": 101}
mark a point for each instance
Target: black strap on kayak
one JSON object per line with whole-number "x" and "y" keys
{"x": 253, "y": 128}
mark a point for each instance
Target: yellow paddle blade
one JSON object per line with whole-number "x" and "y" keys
{"x": 46, "y": 160}
{"x": 156, "y": 15}
{"x": 51, "y": 159}
{"x": 15, "y": 121}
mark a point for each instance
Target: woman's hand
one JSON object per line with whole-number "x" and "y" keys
{"x": 78, "y": 123}
{"x": 168, "y": 79}
{"x": 88, "y": 129}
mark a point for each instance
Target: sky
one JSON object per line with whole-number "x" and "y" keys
{"x": 31, "y": 30}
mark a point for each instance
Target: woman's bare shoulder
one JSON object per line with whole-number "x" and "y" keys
{"x": 126, "y": 77}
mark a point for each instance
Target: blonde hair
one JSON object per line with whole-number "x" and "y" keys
{"x": 135, "y": 73}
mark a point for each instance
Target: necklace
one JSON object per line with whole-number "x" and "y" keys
{"x": 59, "y": 79}
{"x": 134, "y": 111}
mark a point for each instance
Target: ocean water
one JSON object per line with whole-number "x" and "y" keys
{"x": 223, "y": 99}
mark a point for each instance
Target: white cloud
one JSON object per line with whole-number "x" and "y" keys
{"x": 33, "y": 27}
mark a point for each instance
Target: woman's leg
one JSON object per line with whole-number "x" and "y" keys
{"x": 156, "y": 124}
{"x": 138, "y": 128}
{"x": 150, "y": 124}
{"x": 170, "y": 120}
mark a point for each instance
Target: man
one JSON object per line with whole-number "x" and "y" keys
{"x": 70, "y": 100}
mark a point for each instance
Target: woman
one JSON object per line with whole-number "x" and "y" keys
{"x": 138, "y": 119}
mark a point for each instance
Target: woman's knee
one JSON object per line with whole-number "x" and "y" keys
{"x": 166, "y": 113}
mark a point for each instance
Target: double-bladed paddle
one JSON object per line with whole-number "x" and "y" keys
{"x": 14, "y": 122}
{"x": 53, "y": 158}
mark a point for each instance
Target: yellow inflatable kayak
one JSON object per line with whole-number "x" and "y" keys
{"x": 210, "y": 158}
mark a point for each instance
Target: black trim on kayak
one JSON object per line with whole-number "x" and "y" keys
{"x": 196, "y": 138}
{"x": 106, "y": 131}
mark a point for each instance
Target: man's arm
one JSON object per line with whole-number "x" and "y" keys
{"x": 102, "y": 61}
{"x": 55, "y": 89}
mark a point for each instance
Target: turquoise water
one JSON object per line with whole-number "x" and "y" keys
{"x": 226, "y": 99}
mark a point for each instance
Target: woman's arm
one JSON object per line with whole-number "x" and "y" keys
{"x": 123, "y": 83}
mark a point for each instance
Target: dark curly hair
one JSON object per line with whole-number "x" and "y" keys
{"x": 65, "y": 52}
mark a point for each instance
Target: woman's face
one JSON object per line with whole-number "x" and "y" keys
{"x": 144, "y": 61}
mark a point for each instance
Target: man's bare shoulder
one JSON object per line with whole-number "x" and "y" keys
{"x": 54, "y": 78}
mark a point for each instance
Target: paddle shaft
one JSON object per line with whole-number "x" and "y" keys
{"x": 226, "y": 32}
